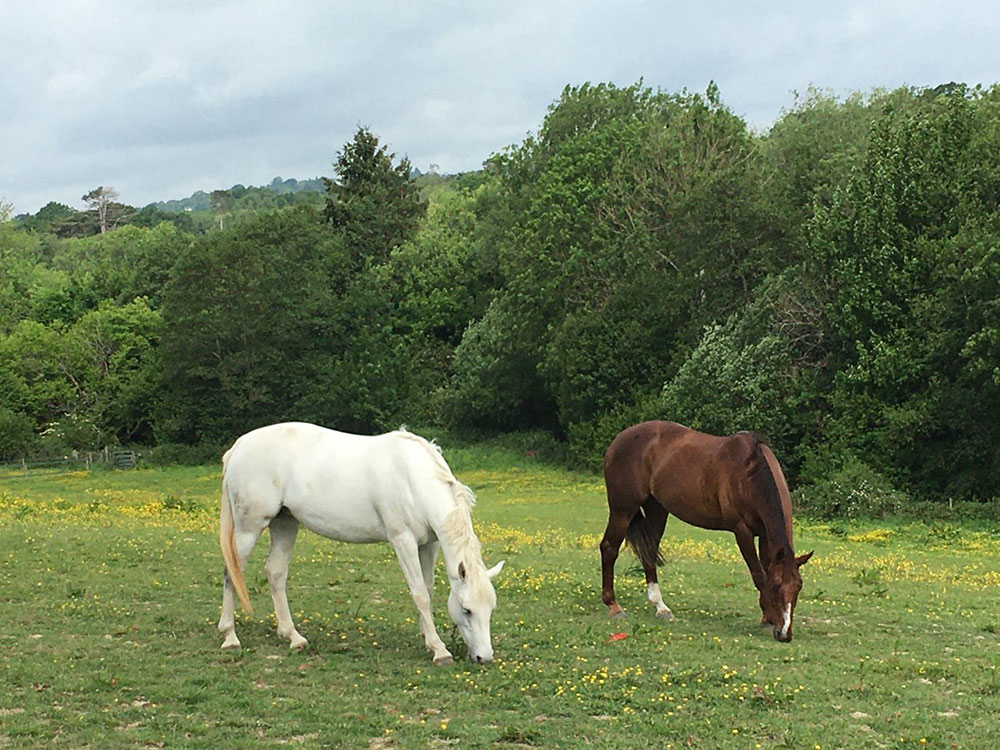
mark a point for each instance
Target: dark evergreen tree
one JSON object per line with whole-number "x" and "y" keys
{"x": 375, "y": 205}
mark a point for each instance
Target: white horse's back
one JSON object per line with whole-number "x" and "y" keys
{"x": 336, "y": 484}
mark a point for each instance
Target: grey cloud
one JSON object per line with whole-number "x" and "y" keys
{"x": 161, "y": 100}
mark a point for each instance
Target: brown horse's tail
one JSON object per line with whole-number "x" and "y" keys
{"x": 643, "y": 541}
{"x": 227, "y": 541}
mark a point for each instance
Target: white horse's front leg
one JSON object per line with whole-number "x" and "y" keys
{"x": 409, "y": 560}
{"x": 283, "y": 531}
{"x": 428, "y": 556}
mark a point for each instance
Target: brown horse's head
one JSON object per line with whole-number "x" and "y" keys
{"x": 781, "y": 591}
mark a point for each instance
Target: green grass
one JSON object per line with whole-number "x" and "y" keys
{"x": 110, "y": 588}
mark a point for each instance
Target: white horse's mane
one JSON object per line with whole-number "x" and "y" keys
{"x": 457, "y": 525}
{"x": 459, "y": 490}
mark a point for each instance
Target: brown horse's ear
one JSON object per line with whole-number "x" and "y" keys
{"x": 803, "y": 559}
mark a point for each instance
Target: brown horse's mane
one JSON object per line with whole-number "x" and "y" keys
{"x": 765, "y": 486}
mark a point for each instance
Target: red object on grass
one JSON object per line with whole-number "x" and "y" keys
{"x": 617, "y": 637}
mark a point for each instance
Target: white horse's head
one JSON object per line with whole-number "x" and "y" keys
{"x": 471, "y": 604}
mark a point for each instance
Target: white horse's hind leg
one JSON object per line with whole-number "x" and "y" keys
{"x": 410, "y": 561}
{"x": 283, "y": 530}
{"x": 227, "y": 620}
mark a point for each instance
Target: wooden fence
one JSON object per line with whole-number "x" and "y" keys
{"x": 115, "y": 459}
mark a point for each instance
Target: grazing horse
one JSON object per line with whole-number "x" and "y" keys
{"x": 394, "y": 487}
{"x": 729, "y": 483}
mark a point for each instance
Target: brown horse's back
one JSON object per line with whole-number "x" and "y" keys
{"x": 689, "y": 473}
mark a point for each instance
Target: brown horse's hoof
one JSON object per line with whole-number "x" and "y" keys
{"x": 444, "y": 661}
{"x": 617, "y": 613}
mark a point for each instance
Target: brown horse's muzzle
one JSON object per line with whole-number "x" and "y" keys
{"x": 778, "y": 636}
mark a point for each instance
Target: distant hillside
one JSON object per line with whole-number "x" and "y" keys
{"x": 201, "y": 201}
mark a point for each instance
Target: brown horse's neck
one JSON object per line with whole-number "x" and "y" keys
{"x": 776, "y": 537}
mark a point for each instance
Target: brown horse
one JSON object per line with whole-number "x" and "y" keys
{"x": 729, "y": 483}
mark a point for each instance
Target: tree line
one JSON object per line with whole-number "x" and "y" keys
{"x": 832, "y": 283}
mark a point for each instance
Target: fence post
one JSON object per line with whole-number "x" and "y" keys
{"x": 24, "y": 465}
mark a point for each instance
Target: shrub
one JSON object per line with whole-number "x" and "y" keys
{"x": 589, "y": 440}
{"x": 186, "y": 455}
{"x": 853, "y": 490}
{"x": 17, "y": 435}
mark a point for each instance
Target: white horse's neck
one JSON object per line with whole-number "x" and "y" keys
{"x": 452, "y": 524}
{"x": 457, "y": 537}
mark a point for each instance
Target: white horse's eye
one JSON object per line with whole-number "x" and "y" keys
{"x": 467, "y": 612}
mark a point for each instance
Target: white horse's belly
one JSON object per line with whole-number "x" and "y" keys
{"x": 340, "y": 521}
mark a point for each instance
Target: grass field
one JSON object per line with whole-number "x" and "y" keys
{"x": 110, "y": 588}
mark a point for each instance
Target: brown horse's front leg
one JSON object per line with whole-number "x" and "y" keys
{"x": 614, "y": 535}
{"x": 744, "y": 539}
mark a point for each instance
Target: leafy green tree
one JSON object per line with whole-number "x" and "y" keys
{"x": 247, "y": 313}
{"x": 812, "y": 151}
{"x": 122, "y": 265}
{"x": 546, "y": 229}
{"x": 634, "y": 219}
{"x": 115, "y": 351}
{"x": 17, "y": 434}
{"x": 20, "y": 254}
{"x": 907, "y": 249}
{"x": 760, "y": 369}
{"x": 35, "y": 373}
{"x": 221, "y": 201}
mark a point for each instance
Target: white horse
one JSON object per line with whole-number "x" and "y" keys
{"x": 394, "y": 487}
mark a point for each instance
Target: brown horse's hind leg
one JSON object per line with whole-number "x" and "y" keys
{"x": 614, "y": 535}
{"x": 656, "y": 518}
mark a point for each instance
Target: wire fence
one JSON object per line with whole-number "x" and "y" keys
{"x": 111, "y": 459}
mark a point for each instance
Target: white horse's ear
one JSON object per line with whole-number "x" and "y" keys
{"x": 461, "y": 571}
{"x": 495, "y": 569}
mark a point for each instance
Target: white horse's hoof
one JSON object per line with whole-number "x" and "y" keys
{"x": 444, "y": 661}
{"x": 666, "y": 615}
{"x": 231, "y": 645}
{"x": 298, "y": 645}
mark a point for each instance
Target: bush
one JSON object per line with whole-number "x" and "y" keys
{"x": 186, "y": 455}
{"x": 962, "y": 510}
{"x": 853, "y": 490}
{"x": 588, "y": 441}
{"x": 17, "y": 434}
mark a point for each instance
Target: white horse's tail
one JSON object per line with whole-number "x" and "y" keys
{"x": 227, "y": 541}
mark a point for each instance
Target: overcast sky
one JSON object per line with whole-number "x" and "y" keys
{"x": 162, "y": 99}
